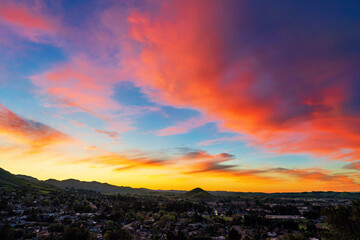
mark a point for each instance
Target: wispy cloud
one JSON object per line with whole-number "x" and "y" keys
{"x": 125, "y": 161}
{"x": 223, "y": 140}
{"x": 113, "y": 135}
{"x": 354, "y": 165}
{"x": 184, "y": 127}
{"x": 199, "y": 163}
{"x": 33, "y": 134}
{"x": 29, "y": 20}
{"x": 81, "y": 85}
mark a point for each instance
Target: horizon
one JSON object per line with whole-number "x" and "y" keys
{"x": 236, "y": 96}
{"x": 180, "y": 190}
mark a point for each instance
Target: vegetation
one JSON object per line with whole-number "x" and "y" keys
{"x": 343, "y": 222}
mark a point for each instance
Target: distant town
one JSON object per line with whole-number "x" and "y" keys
{"x": 71, "y": 209}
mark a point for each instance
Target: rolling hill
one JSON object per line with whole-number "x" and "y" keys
{"x": 96, "y": 186}
{"x": 199, "y": 194}
{"x": 11, "y": 180}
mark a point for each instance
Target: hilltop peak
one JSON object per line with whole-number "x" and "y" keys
{"x": 199, "y": 194}
{"x": 196, "y": 190}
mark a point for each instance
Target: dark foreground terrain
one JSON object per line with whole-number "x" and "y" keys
{"x": 33, "y": 209}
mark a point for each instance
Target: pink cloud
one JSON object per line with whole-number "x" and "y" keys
{"x": 223, "y": 140}
{"x": 113, "y": 135}
{"x": 29, "y": 19}
{"x": 82, "y": 85}
{"x": 30, "y": 133}
{"x": 186, "y": 61}
{"x": 184, "y": 127}
{"x": 77, "y": 123}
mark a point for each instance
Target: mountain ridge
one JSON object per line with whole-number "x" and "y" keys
{"x": 9, "y": 179}
{"x": 105, "y": 188}
{"x": 12, "y": 180}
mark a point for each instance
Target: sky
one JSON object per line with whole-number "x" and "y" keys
{"x": 252, "y": 96}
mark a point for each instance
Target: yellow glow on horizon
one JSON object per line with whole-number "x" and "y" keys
{"x": 157, "y": 179}
{"x": 54, "y": 163}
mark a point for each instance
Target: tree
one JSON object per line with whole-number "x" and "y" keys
{"x": 179, "y": 236}
{"x": 4, "y": 231}
{"x": 76, "y": 233}
{"x": 343, "y": 222}
{"x": 88, "y": 209}
{"x": 117, "y": 234}
{"x": 234, "y": 235}
{"x": 292, "y": 236}
{"x": 52, "y": 236}
{"x": 56, "y": 228}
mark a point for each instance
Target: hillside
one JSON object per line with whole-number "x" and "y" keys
{"x": 199, "y": 194}
{"x": 6, "y": 178}
{"x": 11, "y": 180}
{"x": 96, "y": 186}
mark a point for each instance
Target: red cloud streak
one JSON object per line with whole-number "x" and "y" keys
{"x": 33, "y": 134}
{"x": 189, "y": 57}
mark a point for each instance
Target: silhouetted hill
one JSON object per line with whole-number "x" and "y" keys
{"x": 11, "y": 180}
{"x": 96, "y": 186}
{"x": 199, "y": 194}
{"x": 28, "y": 178}
{"x": 6, "y": 178}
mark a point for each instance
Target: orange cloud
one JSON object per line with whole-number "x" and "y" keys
{"x": 189, "y": 60}
{"x": 341, "y": 182}
{"x": 199, "y": 163}
{"x": 23, "y": 131}
{"x": 188, "y": 162}
{"x": 309, "y": 174}
{"x": 205, "y": 163}
{"x": 123, "y": 161}
{"x": 354, "y": 165}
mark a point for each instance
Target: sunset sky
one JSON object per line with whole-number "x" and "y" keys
{"x": 224, "y": 95}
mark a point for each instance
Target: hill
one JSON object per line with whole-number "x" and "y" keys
{"x": 6, "y": 178}
{"x": 199, "y": 194}
{"x": 10, "y": 180}
{"x": 96, "y": 186}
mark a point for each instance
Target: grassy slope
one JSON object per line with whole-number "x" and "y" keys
{"x": 12, "y": 181}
